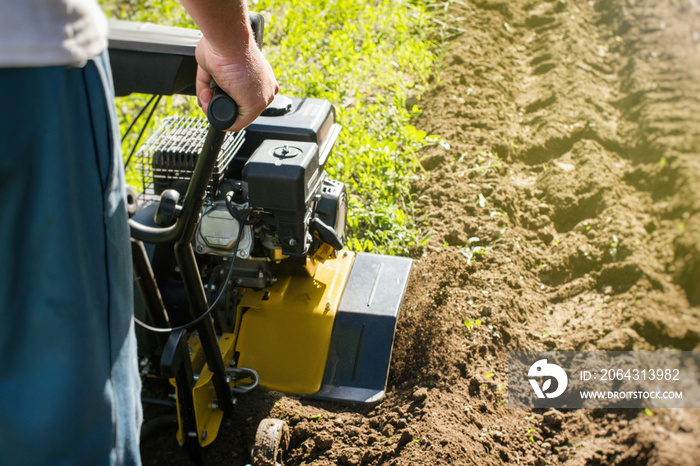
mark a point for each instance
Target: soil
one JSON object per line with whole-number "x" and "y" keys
{"x": 571, "y": 149}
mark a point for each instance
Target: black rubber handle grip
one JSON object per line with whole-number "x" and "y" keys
{"x": 223, "y": 110}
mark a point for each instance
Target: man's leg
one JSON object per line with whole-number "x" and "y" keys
{"x": 69, "y": 386}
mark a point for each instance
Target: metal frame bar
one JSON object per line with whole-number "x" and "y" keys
{"x": 181, "y": 234}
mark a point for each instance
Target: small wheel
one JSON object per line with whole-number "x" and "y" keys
{"x": 271, "y": 440}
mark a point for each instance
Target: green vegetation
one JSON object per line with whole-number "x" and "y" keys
{"x": 472, "y": 323}
{"x": 366, "y": 57}
{"x": 470, "y": 251}
{"x": 613, "y": 248}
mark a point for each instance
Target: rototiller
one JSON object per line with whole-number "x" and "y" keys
{"x": 237, "y": 240}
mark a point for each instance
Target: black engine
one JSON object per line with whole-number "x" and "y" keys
{"x": 270, "y": 202}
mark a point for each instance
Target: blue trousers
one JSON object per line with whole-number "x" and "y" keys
{"x": 69, "y": 383}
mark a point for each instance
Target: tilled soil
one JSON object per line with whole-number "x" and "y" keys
{"x": 564, "y": 206}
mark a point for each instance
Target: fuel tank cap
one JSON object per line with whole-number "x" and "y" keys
{"x": 280, "y": 106}
{"x": 286, "y": 152}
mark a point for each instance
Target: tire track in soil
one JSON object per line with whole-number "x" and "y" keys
{"x": 574, "y": 143}
{"x": 595, "y": 155}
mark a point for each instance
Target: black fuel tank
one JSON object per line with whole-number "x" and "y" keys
{"x": 283, "y": 176}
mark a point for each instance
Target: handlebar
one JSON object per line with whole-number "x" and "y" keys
{"x": 222, "y": 111}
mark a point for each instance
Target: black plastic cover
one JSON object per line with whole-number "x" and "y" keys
{"x": 308, "y": 120}
{"x": 283, "y": 182}
{"x": 154, "y": 59}
{"x": 304, "y": 122}
{"x": 363, "y": 332}
{"x": 332, "y": 207}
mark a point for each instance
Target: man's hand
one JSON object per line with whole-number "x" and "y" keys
{"x": 229, "y": 54}
{"x": 245, "y": 75}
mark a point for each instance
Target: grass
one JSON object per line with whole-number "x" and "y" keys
{"x": 366, "y": 58}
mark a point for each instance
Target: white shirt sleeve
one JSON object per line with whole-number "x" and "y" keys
{"x": 50, "y": 32}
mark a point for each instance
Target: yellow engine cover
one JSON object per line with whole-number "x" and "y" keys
{"x": 286, "y": 329}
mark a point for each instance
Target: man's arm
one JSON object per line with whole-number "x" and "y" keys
{"x": 228, "y": 53}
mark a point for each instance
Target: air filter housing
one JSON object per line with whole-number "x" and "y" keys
{"x": 166, "y": 160}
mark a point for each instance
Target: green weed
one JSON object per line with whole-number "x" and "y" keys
{"x": 472, "y": 323}
{"x": 471, "y": 250}
{"x": 613, "y": 248}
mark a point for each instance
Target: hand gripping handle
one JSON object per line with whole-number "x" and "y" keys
{"x": 222, "y": 111}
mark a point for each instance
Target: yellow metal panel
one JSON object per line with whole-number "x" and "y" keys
{"x": 286, "y": 337}
{"x": 206, "y": 412}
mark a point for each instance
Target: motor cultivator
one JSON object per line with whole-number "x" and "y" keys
{"x": 237, "y": 240}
